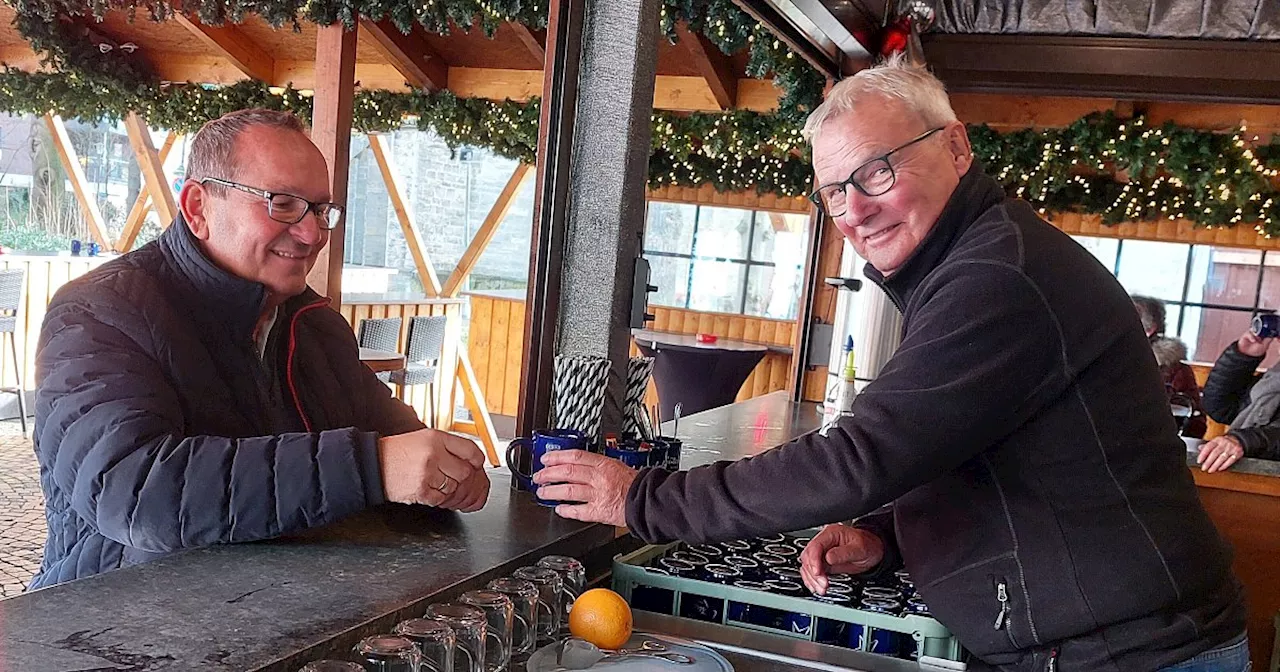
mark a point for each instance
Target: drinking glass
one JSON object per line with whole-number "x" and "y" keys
{"x": 550, "y": 587}
{"x": 332, "y": 666}
{"x": 574, "y": 577}
{"x": 387, "y": 653}
{"x": 499, "y": 615}
{"x": 469, "y": 633}
{"x": 524, "y": 602}
{"x": 435, "y": 642}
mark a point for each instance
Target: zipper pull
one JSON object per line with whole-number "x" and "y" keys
{"x": 1002, "y": 594}
{"x": 1053, "y": 660}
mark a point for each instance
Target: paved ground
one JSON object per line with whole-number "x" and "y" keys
{"x": 22, "y": 527}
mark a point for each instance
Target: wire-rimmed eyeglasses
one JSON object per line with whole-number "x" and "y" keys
{"x": 287, "y": 208}
{"x": 873, "y": 178}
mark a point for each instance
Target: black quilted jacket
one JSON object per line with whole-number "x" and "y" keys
{"x": 153, "y": 429}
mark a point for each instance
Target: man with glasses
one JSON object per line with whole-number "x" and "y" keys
{"x": 196, "y": 392}
{"x": 1020, "y": 438}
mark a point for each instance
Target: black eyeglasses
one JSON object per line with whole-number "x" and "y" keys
{"x": 872, "y": 178}
{"x": 287, "y": 208}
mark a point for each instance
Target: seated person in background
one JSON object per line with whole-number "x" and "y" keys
{"x": 1179, "y": 379}
{"x": 197, "y": 392}
{"x": 1234, "y": 395}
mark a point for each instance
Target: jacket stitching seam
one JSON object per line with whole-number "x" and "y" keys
{"x": 972, "y": 565}
{"x": 1013, "y": 534}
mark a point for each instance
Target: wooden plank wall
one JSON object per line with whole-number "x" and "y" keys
{"x": 416, "y": 396}
{"x": 496, "y": 344}
{"x": 707, "y": 195}
{"x": 45, "y": 275}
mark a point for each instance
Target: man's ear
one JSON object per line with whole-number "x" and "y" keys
{"x": 193, "y": 200}
{"x": 957, "y": 138}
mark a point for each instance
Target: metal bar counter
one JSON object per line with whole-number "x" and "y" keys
{"x": 275, "y": 605}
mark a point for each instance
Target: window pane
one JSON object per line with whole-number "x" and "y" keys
{"x": 1153, "y": 269}
{"x": 670, "y": 227}
{"x": 1270, "y": 298}
{"x": 1102, "y": 248}
{"x": 780, "y": 237}
{"x": 716, "y": 286}
{"x": 1208, "y": 331}
{"x": 773, "y": 292}
{"x": 1223, "y": 276}
{"x": 671, "y": 276}
{"x": 722, "y": 233}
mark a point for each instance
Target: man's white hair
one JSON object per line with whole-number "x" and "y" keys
{"x": 896, "y": 78}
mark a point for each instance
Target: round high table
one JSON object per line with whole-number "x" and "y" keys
{"x": 698, "y": 376}
{"x": 381, "y": 360}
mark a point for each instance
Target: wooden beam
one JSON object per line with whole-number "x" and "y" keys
{"x": 537, "y": 46}
{"x": 486, "y": 231}
{"x": 713, "y": 65}
{"x": 152, "y": 169}
{"x": 426, "y": 271}
{"x": 671, "y": 92}
{"x": 410, "y": 54}
{"x": 88, "y": 201}
{"x": 473, "y": 397}
{"x": 142, "y": 204}
{"x": 331, "y": 131}
{"x": 233, "y": 44}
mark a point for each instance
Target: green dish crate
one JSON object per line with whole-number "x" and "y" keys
{"x": 929, "y": 636}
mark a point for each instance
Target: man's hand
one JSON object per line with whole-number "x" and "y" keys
{"x": 1220, "y": 453}
{"x": 471, "y": 494}
{"x": 598, "y": 482}
{"x": 430, "y": 467}
{"x": 1251, "y": 345}
{"x": 838, "y": 549}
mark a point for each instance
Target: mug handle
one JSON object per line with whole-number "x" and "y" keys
{"x": 531, "y": 631}
{"x": 496, "y": 640}
{"x": 512, "y": 462}
{"x": 473, "y": 665}
{"x": 553, "y": 628}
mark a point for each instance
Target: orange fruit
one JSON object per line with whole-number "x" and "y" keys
{"x": 601, "y": 617}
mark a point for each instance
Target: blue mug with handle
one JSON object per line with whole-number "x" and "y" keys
{"x": 526, "y": 452}
{"x": 630, "y": 455}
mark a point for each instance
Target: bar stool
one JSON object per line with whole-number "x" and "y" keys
{"x": 10, "y": 302}
{"x": 380, "y": 333}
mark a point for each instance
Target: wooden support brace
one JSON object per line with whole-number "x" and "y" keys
{"x": 410, "y": 54}
{"x": 713, "y": 65}
{"x": 152, "y": 169}
{"x": 138, "y": 213}
{"x": 80, "y": 185}
{"x": 426, "y": 272}
{"x": 473, "y": 396}
{"x": 486, "y": 231}
{"x": 233, "y": 44}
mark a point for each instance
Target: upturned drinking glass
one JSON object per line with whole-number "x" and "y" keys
{"x": 524, "y": 602}
{"x": 387, "y": 653}
{"x": 574, "y": 576}
{"x": 469, "y": 633}
{"x": 550, "y": 587}
{"x": 434, "y": 640}
{"x": 500, "y": 618}
{"x": 332, "y": 666}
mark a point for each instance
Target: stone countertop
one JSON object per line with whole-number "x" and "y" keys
{"x": 277, "y": 604}
{"x": 1246, "y": 465}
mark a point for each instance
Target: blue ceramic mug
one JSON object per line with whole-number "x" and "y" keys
{"x": 527, "y": 453}
{"x": 630, "y": 455}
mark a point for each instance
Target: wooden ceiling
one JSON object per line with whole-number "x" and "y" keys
{"x": 693, "y": 75}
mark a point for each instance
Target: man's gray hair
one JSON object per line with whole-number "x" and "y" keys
{"x": 214, "y": 147}
{"x": 895, "y": 78}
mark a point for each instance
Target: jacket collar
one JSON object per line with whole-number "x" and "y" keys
{"x": 213, "y": 295}
{"x": 975, "y": 194}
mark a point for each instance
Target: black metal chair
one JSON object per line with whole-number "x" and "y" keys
{"x": 381, "y": 333}
{"x": 10, "y": 302}
{"x": 422, "y": 357}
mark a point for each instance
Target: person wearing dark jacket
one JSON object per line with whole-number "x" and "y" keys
{"x": 196, "y": 392}
{"x": 1234, "y": 395}
{"x": 1039, "y": 493}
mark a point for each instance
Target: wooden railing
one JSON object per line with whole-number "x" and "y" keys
{"x": 496, "y": 345}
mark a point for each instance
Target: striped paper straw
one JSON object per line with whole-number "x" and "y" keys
{"x": 578, "y": 389}
{"x": 639, "y": 369}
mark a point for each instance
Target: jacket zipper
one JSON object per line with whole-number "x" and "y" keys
{"x": 1002, "y": 594}
{"x": 1053, "y": 661}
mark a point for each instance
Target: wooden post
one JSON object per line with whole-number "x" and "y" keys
{"x": 138, "y": 213}
{"x": 331, "y": 131}
{"x": 152, "y": 169}
{"x": 426, "y": 271}
{"x": 87, "y": 200}
{"x": 486, "y": 231}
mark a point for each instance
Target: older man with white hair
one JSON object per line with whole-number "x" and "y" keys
{"x": 1039, "y": 493}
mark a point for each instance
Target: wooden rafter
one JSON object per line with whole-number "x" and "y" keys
{"x": 410, "y": 54}
{"x": 152, "y": 169}
{"x": 331, "y": 133}
{"x": 486, "y": 231}
{"x": 713, "y": 65}
{"x": 234, "y": 45}
{"x": 426, "y": 271}
{"x": 87, "y": 199}
{"x": 537, "y": 46}
{"x": 473, "y": 397}
{"x": 138, "y": 213}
